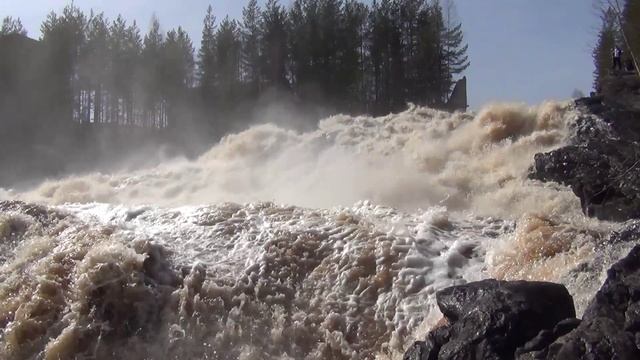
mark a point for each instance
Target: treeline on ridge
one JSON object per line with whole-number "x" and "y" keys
{"x": 88, "y": 71}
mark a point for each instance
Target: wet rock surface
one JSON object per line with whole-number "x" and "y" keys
{"x": 602, "y": 162}
{"x": 531, "y": 320}
{"x": 490, "y": 319}
{"x": 610, "y": 327}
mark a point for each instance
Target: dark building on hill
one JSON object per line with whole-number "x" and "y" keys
{"x": 458, "y": 98}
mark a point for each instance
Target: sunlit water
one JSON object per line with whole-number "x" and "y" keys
{"x": 274, "y": 244}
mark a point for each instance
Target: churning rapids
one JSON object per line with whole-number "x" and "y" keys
{"x": 279, "y": 245}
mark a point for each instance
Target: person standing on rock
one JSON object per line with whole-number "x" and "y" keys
{"x": 617, "y": 58}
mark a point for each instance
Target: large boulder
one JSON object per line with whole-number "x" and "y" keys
{"x": 610, "y": 328}
{"x": 533, "y": 320}
{"x": 490, "y": 319}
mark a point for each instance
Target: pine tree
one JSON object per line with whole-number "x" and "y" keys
{"x": 454, "y": 49}
{"x": 207, "y": 59}
{"x": 187, "y": 51}
{"x": 228, "y": 53}
{"x": 132, "y": 60}
{"x": 330, "y": 21}
{"x": 604, "y": 47}
{"x": 274, "y": 51}
{"x": 12, "y": 26}
{"x": 63, "y": 38}
{"x": 251, "y": 37}
{"x": 94, "y": 68}
{"x": 304, "y": 48}
{"x": 351, "y": 60}
{"x": 631, "y": 25}
{"x": 298, "y": 43}
{"x": 396, "y": 77}
{"x": 151, "y": 75}
{"x": 386, "y": 57}
{"x": 339, "y": 53}
{"x": 412, "y": 12}
{"x": 177, "y": 72}
{"x": 119, "y": 74}
{"x": 19, "y": 93}
{"x": 426, "y": 82}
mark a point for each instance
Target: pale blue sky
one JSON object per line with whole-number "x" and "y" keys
{"x": 520, "y": 50}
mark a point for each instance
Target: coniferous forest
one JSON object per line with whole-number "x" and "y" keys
{"x": 620, "y": 27}
{"x": 95, "y": 88}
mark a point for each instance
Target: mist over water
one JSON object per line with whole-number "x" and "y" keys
{"x": 415, "y": 159}
{"x": 328, "y": 244}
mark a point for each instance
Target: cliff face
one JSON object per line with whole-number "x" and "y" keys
{"x": 602, "y": 163}
{"x": 622, "y": 91}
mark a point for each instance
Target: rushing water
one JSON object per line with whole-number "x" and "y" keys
{"x": 274, "y": 244}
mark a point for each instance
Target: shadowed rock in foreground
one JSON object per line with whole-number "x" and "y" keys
{"x": 490, "y": 319}
{"x": 533, "y": 320}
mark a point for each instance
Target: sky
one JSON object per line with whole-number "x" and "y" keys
{"x": 520, "y": 50}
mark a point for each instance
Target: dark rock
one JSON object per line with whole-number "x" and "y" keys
{"x": 600, "y": 338}
{"x": 430, "y": 348}
{"x": 601, "y": 165}
{"x": 519, "y": 297}
{"x": 610, "y": 328}
{"x": 528, "y": 320}
{"x": 134, "y": 213}
{"x": 591, "y": 101}
{"x": 602, "y": 162}
{"x": 537, "y": 347}
{"x": 622, "y": 91}
{"x": 538, "y": 344}
{"x": 490, "y": 319}
{"x": 629, "y": 233}
{"x": 417, "y": 351}
{"x": 619, "y": 294}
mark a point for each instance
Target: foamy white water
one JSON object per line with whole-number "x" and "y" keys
{"x": 342, "y": 239}
{"x": 415, "y": 159}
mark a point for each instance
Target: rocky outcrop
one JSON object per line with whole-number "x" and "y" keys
{"x": 610, "y": 327}
{"x": 490, "y": 319}
{"x": 602, "y": 162}
{"x": 622, "y": 91}
{"x": 526, "y": 321}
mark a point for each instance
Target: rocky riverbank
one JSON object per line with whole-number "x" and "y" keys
{"x": 602, "y": 162}
{"x": 535, "y": 320}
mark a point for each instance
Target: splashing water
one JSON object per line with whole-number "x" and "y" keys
{"x": 345, "y": 235}
{"x": 411, "y": 160}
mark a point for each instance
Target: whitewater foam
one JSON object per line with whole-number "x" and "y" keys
{"x": 277, "y": 244}
{"x": 415, "y": 159}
